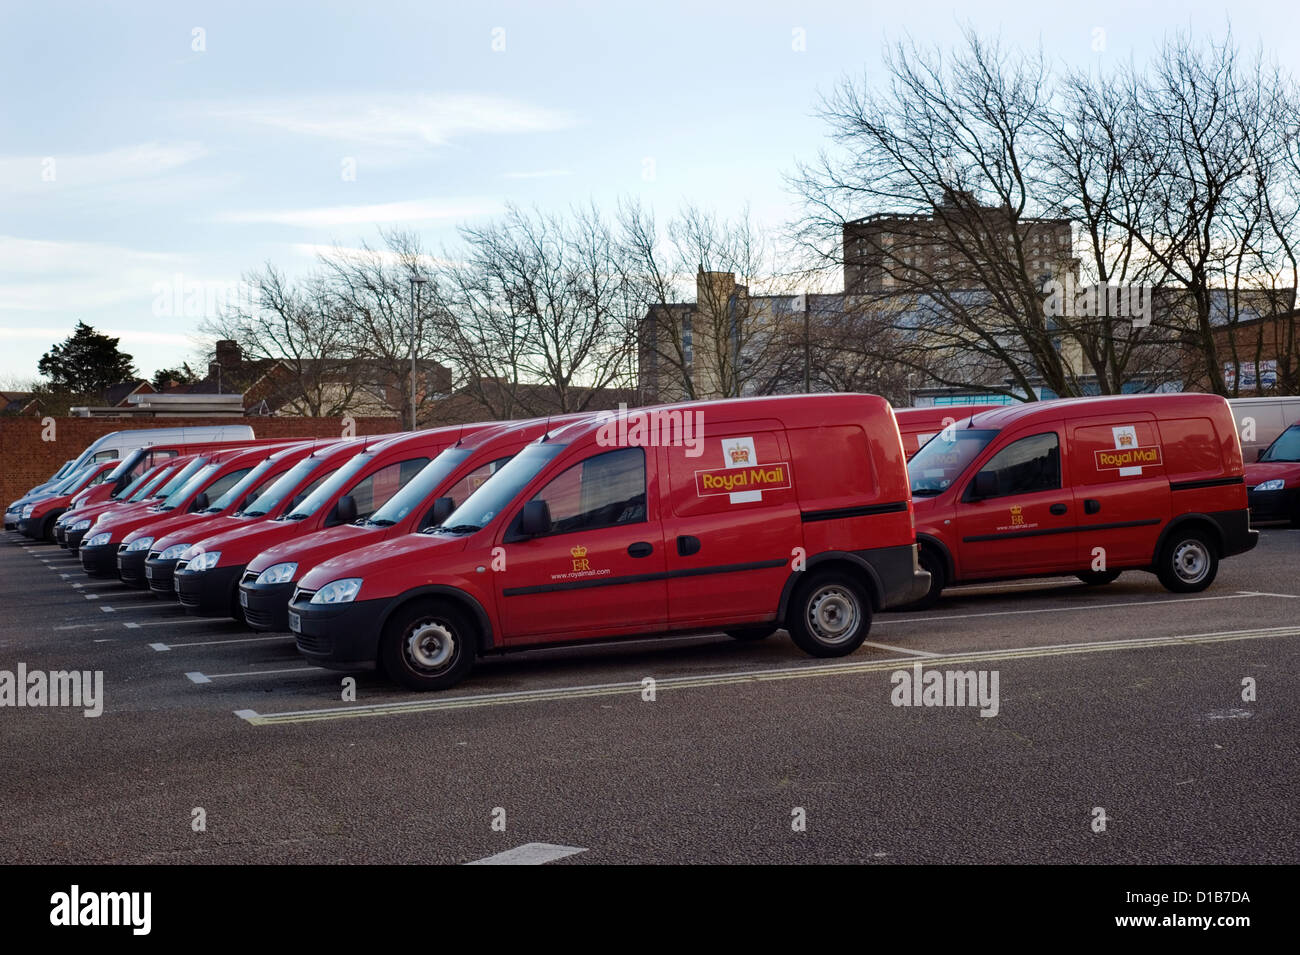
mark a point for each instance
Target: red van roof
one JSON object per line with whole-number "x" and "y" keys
{"x": 1182, "y": 403}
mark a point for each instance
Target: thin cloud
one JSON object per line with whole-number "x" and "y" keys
{"x": 143, "y": 161}
{"x": 412, "y": 210}
{"x": 398, "y": 121}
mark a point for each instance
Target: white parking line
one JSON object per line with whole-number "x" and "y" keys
{"x": 533, "y": 853}
{"x": 214, "y": 643}
{"x": 172, "y": 622}
{"x": 885, "y": 646}
{"x": 198, "y": 677}
{"x": 939, "y": 617}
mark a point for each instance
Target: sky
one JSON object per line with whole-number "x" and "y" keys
{"x": 151, "y": 153}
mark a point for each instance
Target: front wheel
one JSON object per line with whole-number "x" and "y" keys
{"x": 830, "y": 616}
{"x": 1188, "y": 562}
{"x": 428, "y": 646}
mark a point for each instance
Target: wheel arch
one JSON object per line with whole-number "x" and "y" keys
{"x": 827, "y": 562}
{"x": 486, "y": 635}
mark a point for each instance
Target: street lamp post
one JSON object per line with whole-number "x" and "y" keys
{"x": 414, "y": 282}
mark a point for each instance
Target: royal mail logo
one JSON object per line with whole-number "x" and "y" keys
{"x": 763, "y": 477}
{"x": 1017, "y": 515}
{"x": 579, "y": 555}
{"x": 739, "y": 454}
{"x": 1127, "y": 458}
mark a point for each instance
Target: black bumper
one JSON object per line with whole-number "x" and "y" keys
{"x": 61, "y": 534}
{"x": 265, "y": 606}
{"x": 209, "y": 593}
{"x": 160, "y": 575}
{"x": 342, "y": 636}
{"x": 74, "y": 539}
{"x": 99, "y": 561}
{"x": 898, "y": 576}
{"x": 1283, "y": 505}
{"x": 130, "y": 567}
{"x": 11, "y": 520}
{"x": 1236, "y": 533}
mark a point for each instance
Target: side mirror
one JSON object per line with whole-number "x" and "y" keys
{"x": 536, "y": 519}
{"x": 201, "y": 502}
{"x": 345, "y": 511}
{"x": 1259, "y": 453}
{"x": 985, "y": 485}
{"x": 442, "y": 509}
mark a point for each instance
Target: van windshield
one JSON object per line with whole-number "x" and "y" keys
{"x": 126, "y": 493}
{"x": 275, "y": 495}
{"x": 82, "y": 479}
{"x": 149, "y": 488}
{"x": 189, "y": 488}
{"x": 943, "y": 458}
{"x": 499, "y": 490}
{"x": 337, "y": 481}
{"x": 181, "y": 477}
{"x": 419, "y": 487}
{"x": 1286, "y": 447}
{"x": 240, "y": 488}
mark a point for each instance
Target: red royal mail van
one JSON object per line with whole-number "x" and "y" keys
{"x": 427, "y": 500}
{"x": 207, "y": 577}
{"x": 1083, "y": 486}
{"x": 73, "y": 524}
{"x": 740, "y": 515}
{"x": 918, "y": 425}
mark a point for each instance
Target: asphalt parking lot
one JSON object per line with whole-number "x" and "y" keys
{"x": 1124, "y": 701}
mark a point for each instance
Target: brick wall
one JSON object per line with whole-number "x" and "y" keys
{"x": 26, "y": 459}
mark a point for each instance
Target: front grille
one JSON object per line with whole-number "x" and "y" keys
{"x": 250, "y": 577}
{"x": 188, "y": 600}
{"x": 301, "y": 596}
{"x": 262, "y": 619}
{"x": 121, "y": 548}
{"x": 161, "y": 586}
{"x": 314, "y": 644}
{"x": 153, "y": 555}
{"x": 180, "y": 565}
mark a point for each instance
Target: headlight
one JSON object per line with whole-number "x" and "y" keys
{"x": 278, "y": 574}
{"x": 1274, "y": 485}
{"x": 174, "y": 552}
{"x": 81, "y": 525}
{"x": 27, "y": 511}
{"x": 338, "y": 591}
{"x": 140, "y": 543}
{"x": 99, "y": 540}
{"x": 205, "y": 561}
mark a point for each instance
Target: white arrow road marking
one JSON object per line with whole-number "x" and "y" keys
{"x": 885, "y": 646}
{"x": 533, "y": 853}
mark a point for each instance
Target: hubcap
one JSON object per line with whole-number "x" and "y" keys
{"x": 430, "y": 645}
{"x": 1191, "y": 561}
{"x": 833, "y": 615}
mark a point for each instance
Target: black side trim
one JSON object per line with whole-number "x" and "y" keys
{"x": 641, "y": 578}
{"x": 1213, "y": 482}
{"x": 1047, "y": 531}
{"x": 835, "y": 513}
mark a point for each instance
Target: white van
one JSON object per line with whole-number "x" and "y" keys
{"x": 114, "y": 444}
{"x": 1261, "y": 420}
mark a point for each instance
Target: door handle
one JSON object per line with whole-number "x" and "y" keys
{"x": 640, "y": 549}
{"x": 1091, "y": 505}
{"x": 686, "y": 546}
{"x": 1058, "y": 509}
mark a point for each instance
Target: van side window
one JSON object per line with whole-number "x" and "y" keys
{"x": 605, "y": 490}
{"x": 1028, "y": 465}
{"x": 105, "y": 456}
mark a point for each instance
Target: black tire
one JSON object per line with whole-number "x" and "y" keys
{"x": 1188, "y": 562}
{"x": 830, "y": 615}
{"x": 1096, "y": 578}
{"x": 749, "y": 634}
{"x": 932, "y": 562}
{"x": 428, "y": 645}
{"x": 47, "y": 529}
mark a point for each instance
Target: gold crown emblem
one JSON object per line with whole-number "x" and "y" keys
{"x": 1016, "y": 508}
{"x": 739, "y": 454}
{"x": 578, "y": 551}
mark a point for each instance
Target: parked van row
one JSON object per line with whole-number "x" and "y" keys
{"x": 419, "y": 553}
